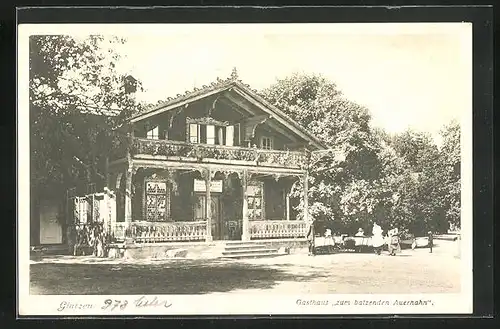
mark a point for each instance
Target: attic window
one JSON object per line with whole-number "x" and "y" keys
{"x": 153, "y": 133}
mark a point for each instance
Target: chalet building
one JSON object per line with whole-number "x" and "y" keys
{"x": 215, "y": 163}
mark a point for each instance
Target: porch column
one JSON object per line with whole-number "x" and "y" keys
{"x": 287, "y": 203}
{"x": 128, "y": 197}
{"x": 306, "y": 199}
{"x": 208, "y": 181}
{"x": 245, "y": 236}
{"x": 128, "y": 183}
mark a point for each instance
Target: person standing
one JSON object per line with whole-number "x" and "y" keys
{"x": 393, "y": 242}
{"x": 431, "y": 240}
{"x": 310, "y": 237}
{"x": 377, "y": 238}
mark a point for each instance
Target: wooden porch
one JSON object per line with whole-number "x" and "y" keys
{"x": 150, "y": 232}
{"x": 176, "y": 171}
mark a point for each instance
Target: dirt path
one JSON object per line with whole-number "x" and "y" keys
{"x": 409, "y": 272}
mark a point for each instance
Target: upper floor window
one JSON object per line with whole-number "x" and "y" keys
{"x": 211, "y": 134}
{"x": 153, "y": 133}
{"x": 194, "y": 133}
{"x": 266, "y": 143}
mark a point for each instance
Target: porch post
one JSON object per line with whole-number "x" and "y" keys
{"x": 128, "y": 197}
{"x": 208, "y": 181}
{"x": 128, "y": 183}
{"x": 306, "y": 199}
{"x": 287, "y": 204}
{"x": 245, "y": 227}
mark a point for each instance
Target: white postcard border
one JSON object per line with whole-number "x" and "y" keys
{"x": 265, "y": 304}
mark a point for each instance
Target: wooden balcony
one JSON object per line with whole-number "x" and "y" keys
{"x": 181, "y": 150}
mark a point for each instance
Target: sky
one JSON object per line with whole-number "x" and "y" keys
{"x": 408, "y": 75}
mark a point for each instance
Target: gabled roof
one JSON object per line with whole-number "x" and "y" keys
{"x": 221, "y": 85}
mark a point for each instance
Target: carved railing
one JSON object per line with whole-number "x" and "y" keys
{"x": 267, "y": 229}
{"x": 288, "y": 159}
{"x": 167, "y": 232}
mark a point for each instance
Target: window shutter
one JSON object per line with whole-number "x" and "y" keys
{"x": 210, "y": 134}
{"x": 219, "y": 138}
{"x": 236, "y": 134}
{"x": 229, "y": 135}
{"x": 193, "y": 133}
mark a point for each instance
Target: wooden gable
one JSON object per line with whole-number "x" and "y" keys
{"x": 231, "y": 102}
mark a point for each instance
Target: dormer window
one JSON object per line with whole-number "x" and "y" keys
{"x": 153, "y": 133}
{"x": 266, "y": 143}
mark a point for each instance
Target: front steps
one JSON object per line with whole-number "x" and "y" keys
{"x": 249, "y": 249}
{"x": 53, "y": 249}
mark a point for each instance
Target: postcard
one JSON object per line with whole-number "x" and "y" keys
{"x": 244, "y": 169}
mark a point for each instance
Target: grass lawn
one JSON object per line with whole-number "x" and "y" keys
{"x": 409, "y": 272}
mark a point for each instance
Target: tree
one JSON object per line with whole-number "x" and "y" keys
{"x": 402, "y": 180}
{"x": 422, "y": 188}
{"x": 339, "y": 186}
{"x": 77, "y": 96}
{"x": 316, "y": 103}
{"x": 450, "y": 160}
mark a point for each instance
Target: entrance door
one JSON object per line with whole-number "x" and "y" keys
{"x": 217, "y": 225}
{"x": 50, "y": 229}
{"x": 200, "y": 213}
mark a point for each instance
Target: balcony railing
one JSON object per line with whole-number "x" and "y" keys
{"x": 287, "y": 159}
{"x": 268, "y": 229}
{"x": 144, "y": 232}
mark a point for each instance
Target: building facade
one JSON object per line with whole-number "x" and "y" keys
{"x": 216, "y": 163}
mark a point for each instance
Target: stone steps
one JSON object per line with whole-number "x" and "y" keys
{"x": 245, "y": 247}
{"x": 249, "y": 252}
{"x": 242, "y": 249}
{"x": 254, "y": 255}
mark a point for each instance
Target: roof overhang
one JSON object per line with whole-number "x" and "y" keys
{"x": 242, "y": 91}
{"x": 167, "y": 107}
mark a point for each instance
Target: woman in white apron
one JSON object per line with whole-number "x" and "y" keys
{"x": 377, "y": 239}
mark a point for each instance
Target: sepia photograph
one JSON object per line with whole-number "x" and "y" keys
{"x": 245, "y": 169}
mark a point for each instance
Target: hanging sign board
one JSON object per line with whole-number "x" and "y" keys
{"x": 215, "y": 186}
